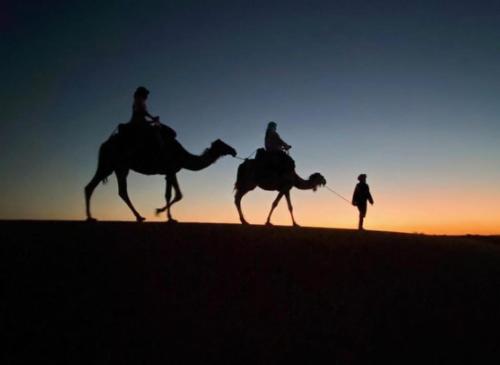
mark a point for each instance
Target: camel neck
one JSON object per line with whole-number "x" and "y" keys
{"x": 302, "y": 184}
{"x": 198, "y": 162}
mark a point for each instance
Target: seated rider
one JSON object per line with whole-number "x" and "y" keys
{"x": 273, "y": 141}
{"x": 142, "y": 118}
{"x": 140, "y": 112}
{"x": 277, "y": 150}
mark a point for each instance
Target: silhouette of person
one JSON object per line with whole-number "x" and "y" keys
{"x": 142, "y": 121}
{"x": 140, "y": 112}
{"x": 273, "y": 141}
{"x": 360, "y": 197}
{"x": 277, "y": 150}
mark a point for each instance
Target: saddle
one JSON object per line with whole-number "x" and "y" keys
{"x": 142, "y": 136}
{"x": 131, "y": 130}
{"x": 277, "y": 162}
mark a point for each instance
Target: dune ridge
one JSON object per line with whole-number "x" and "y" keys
{"x": 120, "y": 292}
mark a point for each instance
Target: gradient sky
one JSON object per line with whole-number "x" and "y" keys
{"x": 407, "y": 93}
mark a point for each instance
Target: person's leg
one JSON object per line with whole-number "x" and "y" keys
{"x": 362, "y": 214}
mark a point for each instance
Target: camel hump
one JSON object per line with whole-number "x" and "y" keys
{"x": 132, "y": 129}
{"x": 167, "y": 132}
{"x": 276, "y": 161}
{"x": 146, "y": 137}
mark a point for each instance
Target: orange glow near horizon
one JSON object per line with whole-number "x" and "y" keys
{"x": 410, "y": 100}
{"x": 428, "y": 212}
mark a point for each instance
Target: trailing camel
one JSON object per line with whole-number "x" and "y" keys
{"x": 252, "y": 174}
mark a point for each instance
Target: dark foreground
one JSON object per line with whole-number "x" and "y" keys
{"x": 125, "y": 293}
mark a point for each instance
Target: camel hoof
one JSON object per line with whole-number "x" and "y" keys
{"x": 245, "y": 223}
{"x": 269, "y": 224}
{"x": 172, "y": 221}
{"x": 296, "y": 225}
{"x": 140, "y": 219}
{"x": 91, "y": 220}
{"x": 158, "y": 211}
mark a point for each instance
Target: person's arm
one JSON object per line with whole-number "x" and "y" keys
{"x": 282, "y": 143}
{"x": 370, "y": 199}
{"x": 147, "y": 114}
{"x": 153, "y": 119}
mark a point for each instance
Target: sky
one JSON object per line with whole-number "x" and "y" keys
{"x": 404, "y": 92}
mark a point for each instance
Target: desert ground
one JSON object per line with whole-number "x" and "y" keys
{"x": 120, "y": 293}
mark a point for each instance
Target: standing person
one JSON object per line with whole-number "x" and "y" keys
{"x": 360, "y": 197}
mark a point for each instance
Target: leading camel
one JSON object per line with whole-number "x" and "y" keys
{"x": 116, "y": 155}
{"x": 250, "y": 175}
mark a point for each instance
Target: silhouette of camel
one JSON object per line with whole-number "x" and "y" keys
{"x": 249, "y": 177}
{"x": 116, "y": 156}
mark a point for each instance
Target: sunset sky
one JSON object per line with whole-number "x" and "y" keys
{"x": 406, "y": 93}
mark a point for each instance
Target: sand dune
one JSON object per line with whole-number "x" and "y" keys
{"x": 147, "y": 293}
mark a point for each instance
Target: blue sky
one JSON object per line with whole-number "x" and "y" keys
{"x": 405, "y": 93}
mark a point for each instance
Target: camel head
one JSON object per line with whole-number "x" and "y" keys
{"x": 220, "y": 148}
{"x": 317, "y": 180}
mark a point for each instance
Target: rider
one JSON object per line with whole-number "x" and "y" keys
{"x": 140, "y": 114}
{"x": 139, "y": 109}
{"x": 277, "y": 149}
{"x": 142, "y": 118}
{"x": 273, "y": 141}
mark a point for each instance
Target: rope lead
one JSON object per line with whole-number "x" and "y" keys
{"x": 333, "y": 191}
{"x": 244, "y": 159}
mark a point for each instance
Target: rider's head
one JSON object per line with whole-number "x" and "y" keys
{"x": 272, "y": 126}
{"x": 141, "y": 92}
{"x": 362, "y": 178}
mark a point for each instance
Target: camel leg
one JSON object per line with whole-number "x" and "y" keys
{"x": 177, "y": 197}
{"x": 168, "y": 194}
{"x": 237, "y": 201}
{"x": 89, "y": 189}
{"x": 121, "y": 176}
{"x": 290, "y": 208}
{"x": 275, "y": 204}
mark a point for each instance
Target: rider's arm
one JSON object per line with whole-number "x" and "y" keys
{"x": 147, "y": 114}
{"x": 282, "y": 143}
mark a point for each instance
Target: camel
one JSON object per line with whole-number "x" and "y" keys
{"x": 250, "y": 176}
{"x": 118, "y": 156}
